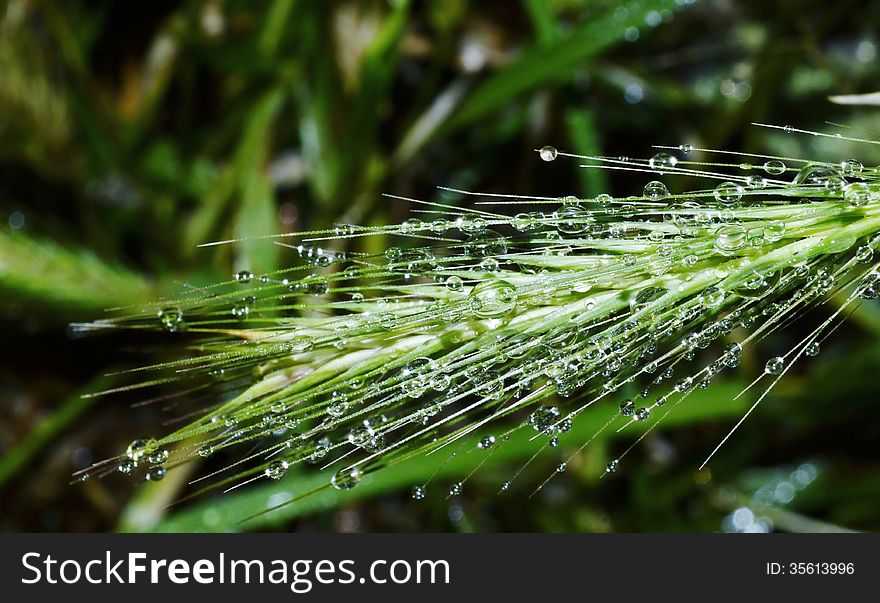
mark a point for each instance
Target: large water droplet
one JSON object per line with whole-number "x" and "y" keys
{"x": 543, "y": 418}
{"x": 171, "y": 318}
{"x": 548, "y": 153}
{"x": 730, "y": 238}
{"x": 156, "y": 474}
{"x": 728, "y": 193}
{"x": 140, "y": 448}
{"x": 656, "y": 190}
{"x": 774, "y": 166}
{"x": 492, "y": 299}
{"x": 276, "y": 469}
{"x": 662, "y": 162}
{"x": 774, "y": 366}
{"x": 346, "y": 479}
{"x": 857, "y": 194}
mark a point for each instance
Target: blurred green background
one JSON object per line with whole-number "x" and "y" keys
{"x": 132, "y": 131}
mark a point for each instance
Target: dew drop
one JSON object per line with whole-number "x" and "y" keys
{"x": 454, "y": 283}
{"x": 126, "y": 466}
{"x": 276, "y": 469}
{"x": 728, "y": 193}
{"x": 812, "y": 349}
{"x": 171, "y": 318}
{"x": 774, "y": 230}
{"x": 140, "y": 448}
{"x": 492, "y": 299}
{"x": 627, "y": 408}
{"x": 158, "y": 457}
{"x": 756, "y": 182}
{"x": 418, "y": 493}
{"x": 486, "y": 443}
{"x": 612, "y": 466}
{"x": 774, "y": 366}
{"x": 857, "y": 194}
{"x": 205, "y": 451}
{"x": 662, "y": 162}
{"x": 656, "y": 190}
{"x": 730, "y": 238}
{"x": 455, "y": 489}
{"x": 864, "y": 254}
{"x": 851, "y": 167}
{"x": 244, "y": 277}
{"x": 774, "y": 167}
{"x": 346, "y": 479}
{"x": 548, "y": 153}
{"x": 543, "y": 418}
{"x": 156, "y": 474}
{"x": 712, "y": 296}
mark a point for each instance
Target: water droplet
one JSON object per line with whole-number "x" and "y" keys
{"x": 315, "y": 285}
{"x": 818, "y": 175}
{"x": 483, "y": 243}
{"x": 604, "y": 199}
{"x": 857, "y": 194}
{"x": 656, "y": 190}
{"x": 642, "y": 414}
{"x": 774, "y": 166}
{"x": 240, "y": 310}
{"x": 548, "y": 153}
{"x": 418, "y": 493}
{"x": 156, "y": 474}
{"x": 864, "y": 254}
{"x": 126, "y": 466}
{"x": 774, "y": 366}
{"x": 812, "y": 349}
{"x": 276, "y": 469}
{"x": 728, "y": 193}
{"x": 571, "y": 219}
{"x": 612, "y": 466}
{"x": 346, "y": 479}
{"x": 171, "y": 318}
{"x": 158, "y": 457}
{"x": 489, "y": 265}
{"x": 756, "y": 182}
{"x": 662, "y": 162}
{"x": 486, "y": 442}
{"x": 712, "y": 296}
{"x": 543, "y": 418}
{"x": 244, "y": 277}
{"x": 627, "y": 408}
{"x": 774, "y": 230}
{"x": 454, "y": 283}
{"x": 140, "y": 448}
{"x": 730, "y": 238}
{"x": 560, "y": 467}
{"x": 205, "y": 451}
{"x": 455, "y": 489}
{"x": 412, "y": 225}
{"x": 492, "y": 299}
{"x": 851, "y": 167}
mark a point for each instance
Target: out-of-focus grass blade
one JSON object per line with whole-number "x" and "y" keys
{"x": 55, "y": 422}
{"x": 44, "y": 271}
{"x": 547, "y": 63}
{"x": 585, "y": 140}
